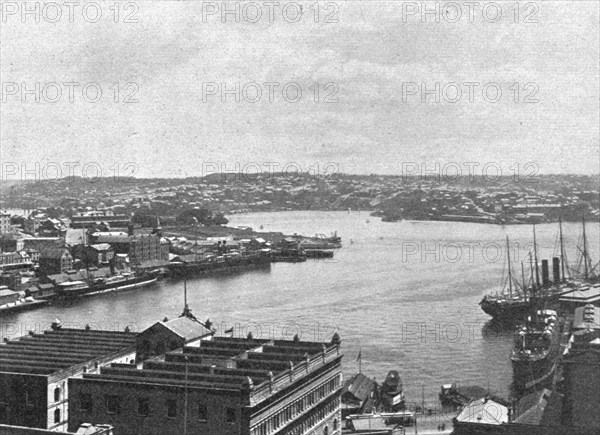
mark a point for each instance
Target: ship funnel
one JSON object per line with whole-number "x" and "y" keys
{"x": 556, "y": 269}
{"x": 545, "y": 273}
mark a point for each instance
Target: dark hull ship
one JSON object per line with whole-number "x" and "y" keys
{"x": 536, "y": 350}
{"x": 517, "y": 300}
{"x": 512, "y": 304}
{"x": 115, "y": 283}
{"x": 228, "y": 262}
{"x": 506, "y": 310}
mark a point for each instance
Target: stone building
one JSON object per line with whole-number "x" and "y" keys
{"x": 34, "y": 370}
{"x": 223, "y": 386}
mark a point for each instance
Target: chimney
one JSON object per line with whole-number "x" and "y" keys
{"x": 556, "y": 269}
{"x": 545, "y": 273}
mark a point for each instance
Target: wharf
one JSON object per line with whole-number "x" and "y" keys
{"x": 23, "y": 306}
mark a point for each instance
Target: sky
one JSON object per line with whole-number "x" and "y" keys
{"x": 517, "y": 88}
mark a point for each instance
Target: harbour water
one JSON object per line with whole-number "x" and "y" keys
{"x": 405, "y": 294}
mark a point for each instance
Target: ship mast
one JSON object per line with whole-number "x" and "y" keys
{"x": 531, "y": 270}
{"x": 523, "y": 278}
{"x": 509, "y": 268}
{"x": 585, "y": 253}
{"x": 186, "y": 309}
{"x": 562, "y": 250}
{"x": 537, "y": 270}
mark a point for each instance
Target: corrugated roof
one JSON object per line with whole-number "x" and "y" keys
{"x": 221, "y": 363}
{"x": 55, "y": 350}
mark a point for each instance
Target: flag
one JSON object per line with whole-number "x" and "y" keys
{"x": 229, "y": 331}
{"x": 359, "y": 357}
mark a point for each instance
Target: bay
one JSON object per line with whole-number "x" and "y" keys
{"x": 404, "y": 294}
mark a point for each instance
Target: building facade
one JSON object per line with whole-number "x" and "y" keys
{"x": 15, "y": 261}
{"x": 140, "y": 248}
{"x": 5, "y": 227}
{"x": 55, "y": 260}
{"x": 90, "y": 218}
{"x": 223, "y": 386}
{"x": 34, "y": 371}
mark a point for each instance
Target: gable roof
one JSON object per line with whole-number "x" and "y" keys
{"x": 186, "y": 328}
{"x": 359, "y": 386}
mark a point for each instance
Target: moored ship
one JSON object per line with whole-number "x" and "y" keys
{"x": 93, "y": 286}
{"x": 519, "y": 299}
{"x": 230, "y": 262}
{"x": 536, "y": 349}
{"x": 512, "y": 304}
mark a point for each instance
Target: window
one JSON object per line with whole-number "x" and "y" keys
{"x": 57, "y": 394}
{"x": 230, "y": 415}
{"x": 57, "y": 416}
{"x": 326, "y": 431}
{"x": 143, "y": 406}
{"x": 28, "y": 398}
{"x": 113, "y": 404}
{"x": 85, "y": 402}
{"x": 202, "y": 412}
{"x": 171, "y": 408}
{"x": 335, "y": 424}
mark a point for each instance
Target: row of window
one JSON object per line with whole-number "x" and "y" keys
{"x": 295, "y": 408}
{"x": 314, "y": 418}
{"x": 113, "y": 404}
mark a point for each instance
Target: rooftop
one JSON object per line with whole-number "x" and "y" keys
{"x": 483, "y": 411}
{"x": 587, "y": 317}
{"x": 261, "y": 367}
{"x": 359, "y": 386}
{"x": 186, "y": 328}
{"x": 584, "y": 294}
{"x": 56, "y": 350}
{"x": 80, "y": 275}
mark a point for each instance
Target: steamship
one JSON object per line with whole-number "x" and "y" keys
{"x": 98, "y": 285}
{"x": 536, "y": 349}
{"x": 226, "y": 262}
{"x": 517, "y": 300}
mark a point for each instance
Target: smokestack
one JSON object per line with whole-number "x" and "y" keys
{"x": 545, "y": 273}
{"x": 556, "y": 269}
